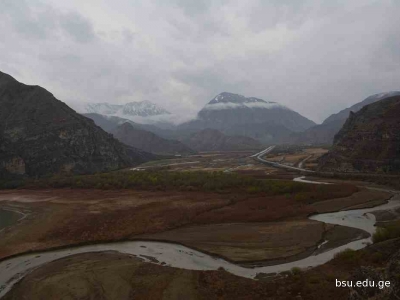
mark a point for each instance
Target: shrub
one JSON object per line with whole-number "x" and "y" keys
{"x": 349, "y": 257}
{"x": 296, "y": 271}
{"x": 390, "y": 231}
{"x": 380, "y": 235}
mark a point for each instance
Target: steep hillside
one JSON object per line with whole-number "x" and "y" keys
{"x": 149, "y": 141}
{"x": 369, "y": 140}
{"x": 325, "y": 132}
{"x": 40, "y": 135}
{"x": 106, "y": 123}
{"x": 344, "y": 114}
{"x": 214, "y": 140}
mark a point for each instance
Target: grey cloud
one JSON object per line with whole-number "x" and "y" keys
{"x": 31, "y": 23}
{"x": 194, "y": 7}
{"x": 38, "y": 20}
{"x": 316, "y": 57}
{"x": 128, "y": 35}
{"x": 79, "y": 28}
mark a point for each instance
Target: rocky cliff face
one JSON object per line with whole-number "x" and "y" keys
{"x": 369, "y": 140}
{"x": 40, "y": 135}
{"x": 149, "y": 141}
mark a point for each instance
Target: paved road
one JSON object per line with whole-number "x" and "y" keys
{"x": 259, "y": 156}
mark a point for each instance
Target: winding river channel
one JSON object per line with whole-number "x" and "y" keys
{"x": 174, "y": 255}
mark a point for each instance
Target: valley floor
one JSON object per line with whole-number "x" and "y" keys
{"x": 243, "y": 228}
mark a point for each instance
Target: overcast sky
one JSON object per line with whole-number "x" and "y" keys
{"x": 316, "y": 57}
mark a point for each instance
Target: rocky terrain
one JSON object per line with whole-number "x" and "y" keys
{"x": 40, "y": 135}
{"x": 148, "y": 141}
{"x": 214, "y": 140}
{"x": 324, "y": 133}
{"x": 369, "y": 140}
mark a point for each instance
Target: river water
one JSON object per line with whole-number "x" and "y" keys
{"x": 173, "y": 255}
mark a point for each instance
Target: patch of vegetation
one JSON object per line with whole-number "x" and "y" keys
{"x": 389, "y": 231}
{"x": 349, "y": 258}
{"x": 296, "y": 271}
{"x": 162, "y": 180}
{"x": 347, "y": 254}
{"x": 381, "y": 179}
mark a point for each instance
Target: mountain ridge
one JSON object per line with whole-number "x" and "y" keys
{"x": 148, "y": 141}
{"x": 324, "y": 133}
{"x": 369, "y": 140}
{"x": 228, "y": 112}
{"x": 41, "y": 136}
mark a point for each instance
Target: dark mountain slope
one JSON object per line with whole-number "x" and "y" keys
{"x": 214, "y": 140}
{"x": 148, "y": 141}
{"x": 344, "y": 114}
{"x": 325, "y": 132}
{"x": 40, "y": 135}
{"x": 369, "y": 140}
{"x": 235, "y": 114}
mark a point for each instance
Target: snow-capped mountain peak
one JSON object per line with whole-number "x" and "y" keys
{"x": 101, "y": 108}
{"x": 228, "y": 101}
{"x": 143, "y": 109}
{"x": 131, "y": 109}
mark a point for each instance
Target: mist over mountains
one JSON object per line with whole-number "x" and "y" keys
{"x": 266, "y": 122}
{"x": 131, "y": 109}
{"x": 229, "y": 113}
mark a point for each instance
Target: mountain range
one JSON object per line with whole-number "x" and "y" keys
{"x": 236, "y": 115}
{"x": 148, "y": 141}
{"x": 40, "y": 136}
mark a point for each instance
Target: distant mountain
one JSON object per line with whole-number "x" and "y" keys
{"x": 40, "y": 135}
{"x": 107, "y": 123}
{"x": 110, "y": 123}
{"x": 214, "y": 140}
{"x": 148, "y": 141}
{"x": 230, "y": 113}
{"x": 317, "y": 135}
{"x": 325, "y": 132}
{"x": 128, "y": 110}
{"x": 369, "y": 140}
